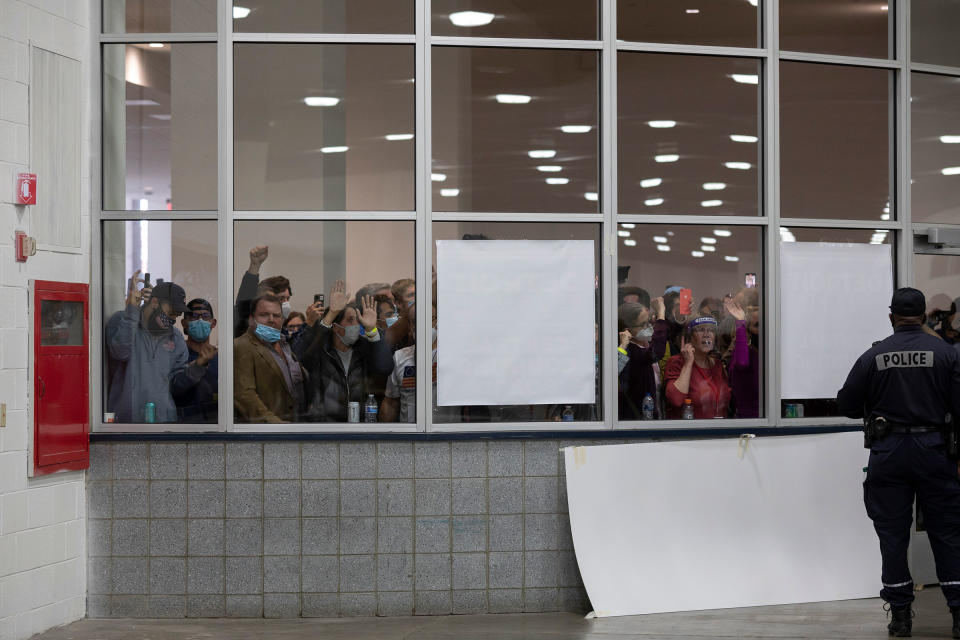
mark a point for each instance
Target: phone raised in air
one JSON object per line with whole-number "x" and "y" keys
{"x": 750, "y": 280}
{"x": 318, "y": 297}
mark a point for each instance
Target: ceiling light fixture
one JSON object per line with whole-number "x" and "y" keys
{"x": 399, "y": 136}
{"x": 697, "y": 254}
{"x": 943, "y": 139}
{"x": 714, "y": 186}
{"x": 576, "y": 128}
{"x": 722, "y": 233}
{"x": 711, "y": 203}
{"x": 662, "y": 124}
{"x": 512, "y": 98}
{"x": 663, "y": 247}
{"x": 742, "y": 166}
{"x": 651, "y": 182}
{"x": 471, "y": 18}
{"x": 239, "y": 13}
{"x": 745, "y": 78}
{"x": 623, "y": 234}
{"x": 321, "y": 101}
{"x": 950, "y": 171}
{"x": 156, "y": 45}
{"x": 337, "y": 149}
{"x": 592, "y": 196}
{"x": 558, "y": 180}
{"x": 653, "y": 202}
{"x": 708, "y": 240}
{"x": 742, "y": 138}
{"x": 660, "y": 239}
{"x": 693, "y": 10}
{"x": 667, "y": 157}
{"x": 542, "y": 153}
{"x": 549, "y": 168}
{"x": 731, "y": 258}
{"x": 708, "y": 247}
{"x": 449, "y": 193}
{"x": 630, "y": 242}
{"x": 438, "y": 177}
{"x": 628, "y": 225}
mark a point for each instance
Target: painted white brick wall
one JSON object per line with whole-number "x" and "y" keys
{"x": 42, "y": 520}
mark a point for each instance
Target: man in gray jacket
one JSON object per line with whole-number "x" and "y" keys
{"x": 148, "y": 358}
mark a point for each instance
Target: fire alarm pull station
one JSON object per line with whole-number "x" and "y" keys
{"x": 26, "y": 188}
{"x": 24, "y": 245}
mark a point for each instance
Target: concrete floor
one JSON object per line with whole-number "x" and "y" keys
{"x": 852, "y": 619}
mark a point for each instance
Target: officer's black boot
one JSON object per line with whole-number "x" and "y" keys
{"x": 901, "y": 623}
{"x": 956, "y": 621}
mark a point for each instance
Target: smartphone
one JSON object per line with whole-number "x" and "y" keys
{"x": 318, "y": 297}
{"x": 146, "y": 280}
{"x": 750, "y": 280}
{"x": 685, "y": 302}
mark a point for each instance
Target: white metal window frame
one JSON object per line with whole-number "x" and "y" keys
{"x": 608, "y": 47}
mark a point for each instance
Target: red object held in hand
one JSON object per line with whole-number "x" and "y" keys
{"x": 686, "y": 301}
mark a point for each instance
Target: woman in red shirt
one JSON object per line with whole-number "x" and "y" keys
{"x": 697, "y": 373}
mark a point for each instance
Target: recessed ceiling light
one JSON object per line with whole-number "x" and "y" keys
{"x": 697, "y": 254}
{"x": 338, "y": 149}
{"x": 542, "y": 153}
{"x": 400, "y": 136}
{"x": 663, "y": 247}
{"x": 753, "y": 2}
{"x": 471, "y": 18}
{"x": 549, "y": 168}
{"x": 714, "y": 186}
{"x": 576, "y": 128}
{"x": 885, "y": 216}
{"x": 653, "y": 202}
{"x": 156, "y": 45}
{"x": 731, "y": 258}
{"x": 722, "y": 233}
{"x": 660, "y": 239}
{"x": 711, "y": 203}
{"x": 449, "y": 193}
{"x": 558, "y": 180}
{"x": 708, "y": 247}
{"x": 745, "y": 78}
{"x": 651, "y": 182}
{"x": 630, "y": 242}
{"x": 438, "y": 177}
{"x": 239, "y": 13}
{"x": 693, "y": 10}
{"x": 947, "y": 171}
{"x": 628, "y": 225}
{"x": 667, "y": 157}
{"x": 708, "y": 240}
{"x": 321, "y": 101}
{"x": 623, "y": 234}
{"x": 592, "y": 196}
{"x": 943, "y": 139}
{"x": 662, "y": 124}
{"x": 512, "y": 98}
{"x": 743, "y": 166}
{"x": 741, "y": 138}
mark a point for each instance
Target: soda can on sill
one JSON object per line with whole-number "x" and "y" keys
{"x": 798, "y": 410}
{"x": 790, "y": 411}
{"x": 150, "y": 413}
{"x": 353, "y": 412}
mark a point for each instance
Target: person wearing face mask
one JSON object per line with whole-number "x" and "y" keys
{"x": 148, "y": 360}
{"x": 744, "y": 363}
{"x": 697, "y": 373}
{"x": 269, "y": 384}
{"x": 198, "y": 404}
{"x": 293, "y": 325}
{"x": 642, "y": 348}
{"x": 387, "y": 313}
{"x": 251, "y": 286}
{"x": 344, "y": 352}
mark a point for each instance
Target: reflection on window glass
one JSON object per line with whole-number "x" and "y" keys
{"x": 543, "y": 315}
{"x": 938, "y": 276}
{"x": 933, "y": 32}
{"x": 728, "y": 23}
{"x": 322, "y": 315}
{"x": 861, "y": 28}
{"x": 159, "y": 126}
{"x": 324, "y": 127}
{"x": 836, "y": 127}
{"x": 160, "y": 313}
{"x": 323, "y": 16}
{"x": 515, "y": 130}
{"x": 159, "y": 16}
{"x": 61, "y": 323}
{"x": 689, "y": 310}
{"x": 555, "y": 19}
{"x": 826, "y": 407}
{"x": 935, "y": 148}
{"x": 678, "y": 153}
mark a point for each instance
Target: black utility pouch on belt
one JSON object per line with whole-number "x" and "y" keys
{"x": 951, "y": 438}
{"x": 875, "y": 429}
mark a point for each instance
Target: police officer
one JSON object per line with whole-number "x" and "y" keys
{"x": 907, "y": 389}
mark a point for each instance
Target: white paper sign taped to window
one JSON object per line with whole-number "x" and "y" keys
{"x": 834, "y": 303}
{"x": 516, "y": 322}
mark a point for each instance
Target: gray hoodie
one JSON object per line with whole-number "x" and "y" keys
{"x": 146, "y": 367}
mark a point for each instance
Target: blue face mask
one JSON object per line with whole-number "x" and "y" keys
{"x": 199, "y": 330}
{"x": 268, "y": 334}
{"x": 391, "y": 320}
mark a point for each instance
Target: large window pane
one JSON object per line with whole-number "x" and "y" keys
{"x": 323, "y": 126}
{"x": 159, "y": 362}
{"x": 555, "y": 19}
{"x": 933, "y": 36}
{"x": 938, "y": 276}
{"x": 836, "y": 126}
{"x": 935, "y": 148}
{"x": 514, "y": 320}
{"x": 727, "y": 23}
{"x": 515, "y": 130}
{"x": 678, "y": 153}
{"x": 323, "y": 16}
{"x": 159, "y": 16}
{"x": 701, "y": 285}
{"x": 311, "y": 282}
{"x": 160, "y": 126}
{"x": 861, "y": 28}
{"x": 835, "y": 309}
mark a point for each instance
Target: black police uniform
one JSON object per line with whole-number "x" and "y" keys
{"x": 912, "y": 380}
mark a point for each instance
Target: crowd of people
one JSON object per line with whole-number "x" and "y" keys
{"x": 676, "y": 359}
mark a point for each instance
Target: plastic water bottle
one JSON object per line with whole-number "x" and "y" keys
{"x": 567, "y": 415}
{"x": 648, "y": 407}
{"x": 688, "y": 409}
{"x": 370, "y": 409}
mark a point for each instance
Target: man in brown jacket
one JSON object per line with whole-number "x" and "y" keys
{"x": 268, "y": 381}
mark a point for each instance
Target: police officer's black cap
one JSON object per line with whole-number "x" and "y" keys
{"x": 908, "y": 302}
{"x": 173, "y": 294}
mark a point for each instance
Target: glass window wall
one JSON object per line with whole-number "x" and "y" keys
{"x": 724, "y": 23}
{"x": 323, "y": 16}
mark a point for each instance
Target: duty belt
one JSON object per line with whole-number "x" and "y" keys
{"x": 907, "y": 429}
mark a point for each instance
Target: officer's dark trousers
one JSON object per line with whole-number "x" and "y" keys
{"x": 902, "y": 467}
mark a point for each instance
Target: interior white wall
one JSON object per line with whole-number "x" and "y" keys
{"x": 42, "y": 520}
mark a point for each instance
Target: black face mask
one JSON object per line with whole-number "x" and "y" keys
{"x": 159, "y": 322}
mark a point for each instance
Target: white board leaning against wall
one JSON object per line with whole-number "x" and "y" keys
{"x": 516, "y": 322}
{"x": 833, "y": 306}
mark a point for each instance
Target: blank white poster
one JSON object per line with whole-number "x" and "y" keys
{"x": 515, "y": 322}
{"x": 834, "y": 303}
{"x": 686, "y": 526}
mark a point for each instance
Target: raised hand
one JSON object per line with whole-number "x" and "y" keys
{"x": 338, "y": 296}
{"x": 134, "y": 294}
{"x": 368, "y": 317}
{"x": 687, "y": 350}
{"x": 207, "y": 352}
{"x": 314, "y": 313}
{"x": 624, "y": 338}
{"x": 257, "y": 257}
{"x": 659, "y": 309}
{"x": 734, "y": 309}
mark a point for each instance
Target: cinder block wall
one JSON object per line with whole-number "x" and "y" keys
{"x": 319, "y": 529}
